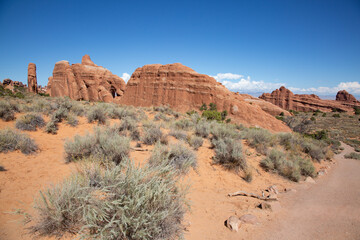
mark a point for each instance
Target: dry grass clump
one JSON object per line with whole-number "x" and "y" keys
{"x": 183, "y": 124}
{"x": 260, "y": 139}
{"x": 103, "y": 144}
{"x": 202, "y": 128}
{"x": 97, "y": 113}
{"x": 119, "y": 202}
{"x": 6, "y": 111}
{"x": 196, "y": 142}
{"x": 11, "y": 140}
{"x": 178, "y": 157}
{"x": 228, "y": 153}
{"x": 178, "y": 134}
{"x": 30, "y": 122}
{"x": 292, "y": 167}
{"x": 152, "y": 133}
{"x": 353, "y": 155}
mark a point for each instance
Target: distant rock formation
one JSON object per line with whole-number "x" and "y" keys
{"x": 10, "y": 83}
{"x": 85, "y": 81}
{"x": 32, "y": 81}
{"x": 184, "y": 89}
{"x": 344, "y": 96}
{"x": 287, "y": 100}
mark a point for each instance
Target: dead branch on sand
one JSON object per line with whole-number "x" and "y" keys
{"x": 271, "y": 197}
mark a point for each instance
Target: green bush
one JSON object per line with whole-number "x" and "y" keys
{"x": 228, "y": 153}
{"x": 120, "y": 202}
{"x": 212, "y": 115}
{"x": 353, "y": 155}
{"x": 212, "y": 107}
{"x": 178, "y": 157}
{"x": 196, "y": 142}
{"x": 30, "y": 122}
{"x": 103, "y": 144}
{"x": 203, "y": 107}
{"x": 11, "y": 140}
{"x": 357, "y": 110}
{"x": 97, "y": 113}
{"x": 336, "y": 115}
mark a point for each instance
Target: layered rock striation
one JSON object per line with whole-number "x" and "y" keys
{"x": 184, "y": 89}
{"x": 32, "y": 80}
{"x": 287, "y": 100}
{"x": 85, "y": 81}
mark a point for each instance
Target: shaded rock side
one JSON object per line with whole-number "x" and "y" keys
{"x": 85, "y": 81}
{"x": 184, "y": 89}
{"x": 32, "y": 81}
{"x": 287, "y": 100}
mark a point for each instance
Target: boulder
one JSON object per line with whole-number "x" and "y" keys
{"x": 32, "y": 81}
{"x": 85, "y": 81}
{"x": 184, "y": 89}
{"x": 287, "y": 100}
{"x": 233, "y": 223}
{"x": 7, "y": 81}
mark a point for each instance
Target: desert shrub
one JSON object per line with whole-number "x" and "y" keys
{"x": 30, "y": 122}
{"x": 196, "y": 142}
{"x": 11, "y": 140}
{"x": 357, "y": 110}
{"x": 72, "y": 120}
{"x": 202, "y": 129}
{"x": 276, "y": 161}
{"x": 2, "y": 169}
{"x": 161, "y": 116}
{"x": 6, "y": 111}
{"x": 127, "y": 127}
{"x": 228, "y": 153}
{"x": 51, "y": 127}
{"x": 203, "y": 107}
{"x": 152, "y": 133}
{"x": 97, "y": 113}
{"x": 59, "y": 115}
{"x": 127, "y": 202}
{"x": 178, "y": 134}
{"x": 324, "y": 114}
{"x": 121, "y": 112}
{"x": 78, "y": 109}
{"x": 178, "y": 157}
{"x": 315, "y": 149}
{"x": 290, "y": 141}
{"x": 212, "y": 115}
{"x": 220, "y": 131}
{"x": 336, "y": 115}
{"x": 212, "y": 107}
{"x": 184, "y": 124}
{"x": 306, "y": 166}
{"x": 39, "y": 105}
{"x": 260, "y": 139}
{"x": 353, "y": 155}
{"x": 103, "y": 144}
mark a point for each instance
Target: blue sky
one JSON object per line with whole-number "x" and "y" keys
{"x": 250, "y": 46}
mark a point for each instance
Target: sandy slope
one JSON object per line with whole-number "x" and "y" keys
{"x": 327, "y": 210}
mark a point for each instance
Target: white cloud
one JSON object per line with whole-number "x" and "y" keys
{"x": 230, "y": 76}
{"x": 126, "y": 77}
{"x": 246, "y": 85}
{"x": 351, "y": 87}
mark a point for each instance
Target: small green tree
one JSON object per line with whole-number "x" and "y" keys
{"x": 203, "y": 107}
{"x": 213, "y": 107}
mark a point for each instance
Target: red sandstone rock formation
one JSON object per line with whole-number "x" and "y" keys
{"x": 85, "y": 81}
{"x": 344, "y": 96}
{"x": 184, "y": 89}
{"x": 9, "y": 82}
{"x": 285, "y": 99}
{"x": 32, "y": 81}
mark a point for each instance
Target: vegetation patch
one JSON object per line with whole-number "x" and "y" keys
{"x": 11, "y": 140}
{"x": 353, "y": 155}
{"x": 118, "y": 202}
{"x": 30, "y": 122}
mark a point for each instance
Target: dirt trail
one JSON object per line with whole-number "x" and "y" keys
{"x": 328, "y": 209}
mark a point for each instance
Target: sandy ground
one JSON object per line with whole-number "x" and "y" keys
{"x": 209, "y": 186}
{"x": 328, "y": 209}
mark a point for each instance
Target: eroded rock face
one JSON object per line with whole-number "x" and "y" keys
{"x": 344, "y": 96}
{"x": 32, "y": 81}
{"x": 184, "y": 89}
{"x": 85, "y": 81}
{"x": 287, "y": 100}
{"x": 9, "y": 82}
